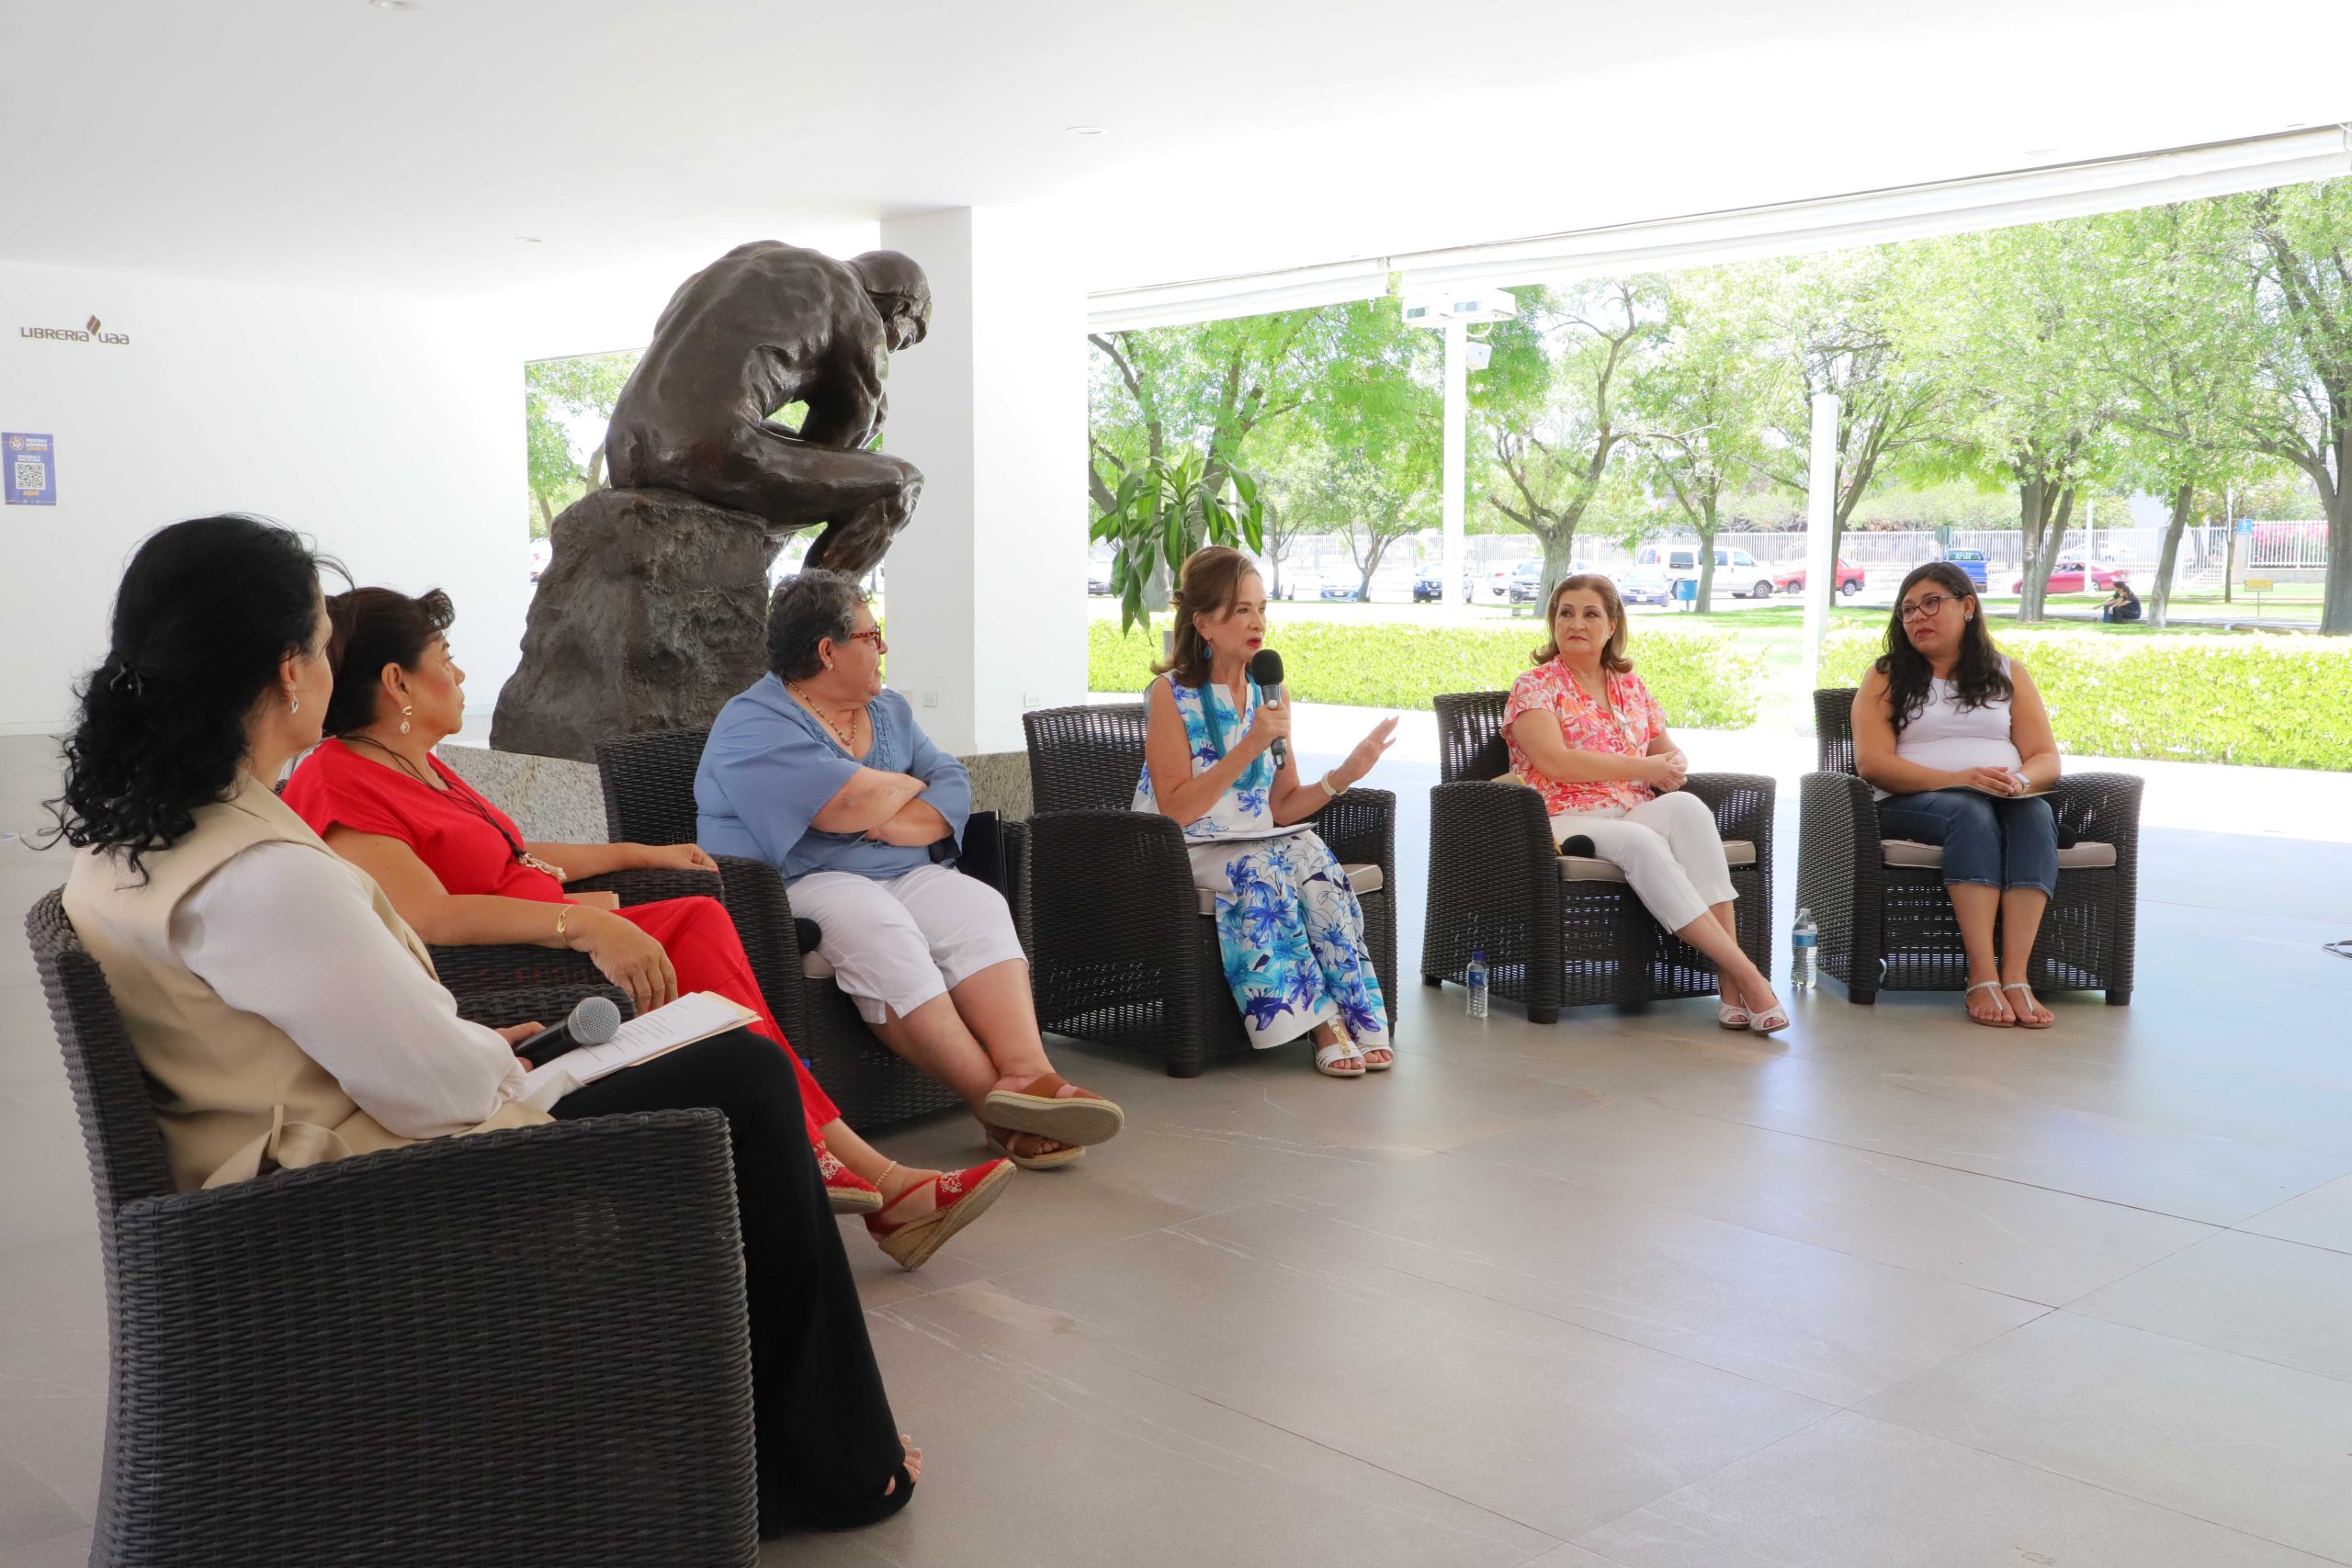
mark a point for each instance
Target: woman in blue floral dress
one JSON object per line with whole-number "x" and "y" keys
{"x": 1288, "y": 923}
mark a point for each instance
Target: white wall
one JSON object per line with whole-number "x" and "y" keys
{"x": 986, "y": 615}
{"x": 389, "y": 430}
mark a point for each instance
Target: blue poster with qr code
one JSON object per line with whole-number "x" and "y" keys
{"x": 29, "y": 463}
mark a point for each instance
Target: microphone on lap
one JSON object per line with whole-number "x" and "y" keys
{"x": 592, "y": 1022}
{"x": 1266, "y": 668}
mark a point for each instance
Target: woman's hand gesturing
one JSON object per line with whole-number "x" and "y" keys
{"x": 628, "y": 958}
{"x": 1367, "y": 753}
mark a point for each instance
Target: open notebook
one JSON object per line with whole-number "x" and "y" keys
{"x": 698, "y": 1015}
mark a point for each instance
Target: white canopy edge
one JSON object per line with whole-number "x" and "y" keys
{"x": 1823, "y": 224}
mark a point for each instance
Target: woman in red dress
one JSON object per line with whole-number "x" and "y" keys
{"x": 459, "y": 872}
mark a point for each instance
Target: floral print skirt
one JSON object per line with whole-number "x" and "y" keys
{"x": 1291, "y": 933}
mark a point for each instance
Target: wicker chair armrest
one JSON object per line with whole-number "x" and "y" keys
{"x": 1840, "y": 806}
{"x": 650, "y": 885}
{"x": 757, "y": 901}
{"x": 549, "y": 1006}
{"x": 1743, "y": 806}
{"x": 489, "y": 1303}
{"x": 1359, "y": 828}
{"x": 1491, "y": 842}
{"x": 509, "y": 969}
{"x": 2101, "y": 807}
{"x": 1107, "y": 876}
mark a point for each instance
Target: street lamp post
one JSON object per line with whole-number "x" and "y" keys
{"x": 1454, "y": 312}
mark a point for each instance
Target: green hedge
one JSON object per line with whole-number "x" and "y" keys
{"x": 2269, "y": 701}
{"x": 1698, "y": 680}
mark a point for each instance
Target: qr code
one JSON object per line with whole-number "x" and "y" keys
{"x": 32, "y": 477}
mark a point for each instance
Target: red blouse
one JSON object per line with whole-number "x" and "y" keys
{"x": 456, "y": 833}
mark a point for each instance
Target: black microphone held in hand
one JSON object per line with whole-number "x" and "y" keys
{"x": 592, "y": 1022}
{"x": 1266, "y": 668}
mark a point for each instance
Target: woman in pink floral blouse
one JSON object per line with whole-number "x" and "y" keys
{"x": 1586, "y": 734}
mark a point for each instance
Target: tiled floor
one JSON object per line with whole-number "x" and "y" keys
{"x": 1887, "y": 1292}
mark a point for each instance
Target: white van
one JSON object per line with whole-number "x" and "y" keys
{"x": 1656, "y": 568}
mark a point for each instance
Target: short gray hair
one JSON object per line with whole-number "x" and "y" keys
{"x": 805, "y": 610}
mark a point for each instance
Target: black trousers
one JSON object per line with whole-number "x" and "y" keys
{"x": 828, "y": 1445}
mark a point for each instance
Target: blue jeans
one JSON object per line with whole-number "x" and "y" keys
{"x": 1987, "y": 841}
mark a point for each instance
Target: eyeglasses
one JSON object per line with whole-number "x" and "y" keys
{"x": 1920, "y": 608}
{"x": 872, "y": 633}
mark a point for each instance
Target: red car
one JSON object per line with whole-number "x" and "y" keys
{"x": 1850, "y": 581}
{"x": 2066, "y": 577}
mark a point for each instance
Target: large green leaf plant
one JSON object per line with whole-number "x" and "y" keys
{"x": 1167, "y": 507}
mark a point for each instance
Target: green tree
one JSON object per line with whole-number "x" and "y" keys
{"x": 1833, "y": 319}
{"x": 2298, "y": 321}
{"x": 2003, "y": 320}
{"x": 1549, "y": 407}
{"x": 1702, "y": 399}
{"x": 556, "y": 393}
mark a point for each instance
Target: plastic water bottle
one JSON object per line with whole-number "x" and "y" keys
{"x": 1804, "y": 953}
{"x": 1474, "y": 978}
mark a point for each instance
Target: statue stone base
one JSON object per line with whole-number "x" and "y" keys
{"x": 652, "y": 613}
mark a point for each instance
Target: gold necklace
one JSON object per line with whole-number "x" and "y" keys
{"x": 849, "y": 741}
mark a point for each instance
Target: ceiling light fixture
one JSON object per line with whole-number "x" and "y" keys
{"x": 398, "y": 5}
{"x": 1087, "y": 130}
{"x": 530, "y": 239}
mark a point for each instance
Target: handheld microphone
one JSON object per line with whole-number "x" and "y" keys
{"x": 592, "y": 1022}
{"x": 1266, "y": 668}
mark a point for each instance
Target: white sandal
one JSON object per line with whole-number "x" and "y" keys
{"x": 1730, "y": 1015}
{"x": 1775, "y": 1017}
{"x": 1343, "y": 1049}
{"x": 1996, "y": 987}
{"x": 2021, "y": 1020}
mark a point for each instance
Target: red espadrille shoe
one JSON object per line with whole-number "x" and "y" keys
{"x": 963, "y": 1196}
{"x": 851, "y": 1194}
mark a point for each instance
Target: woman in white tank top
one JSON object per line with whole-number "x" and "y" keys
{"x": 1956, "y": 745}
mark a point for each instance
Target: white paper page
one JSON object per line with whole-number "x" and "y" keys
{"x": 695, "y": 1016}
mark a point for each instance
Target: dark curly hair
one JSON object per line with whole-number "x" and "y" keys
{"x": 206, "y": 611}
{"x": 1977, "y": 678}
{"x": 373, "y": 627}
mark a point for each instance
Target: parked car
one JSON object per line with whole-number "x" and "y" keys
{"x": 1098, "y": 581}
{"x": 1656, "y": 569}
{"x": 1850, "y": 579}
{"x": 1527, "y": 582}
{"x": 2066, "y": 577}
{"x": 1429, "y": 586}
{"x": 1971, "y": 562}
{"x": 1351, "y": 591}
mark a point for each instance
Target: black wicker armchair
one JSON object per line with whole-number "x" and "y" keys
{"x": 1123, "y": 949}
{"x": 1886, "y": 922}
{"x": 522, "y": 1347}
{"x": 648, "y": 783}
{"x": 1565, "y": 930}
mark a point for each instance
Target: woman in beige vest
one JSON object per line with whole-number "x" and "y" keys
{"x": 287, "y": 1016}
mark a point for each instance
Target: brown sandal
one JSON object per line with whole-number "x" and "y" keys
{"x": 1006, "y": 1142}
{"x": 1082, "y": 1118}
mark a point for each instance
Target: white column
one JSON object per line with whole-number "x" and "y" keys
{"x": 985, "y": 592}
{"x": 1457, "y": 413}
{"x": 1820, "y": 518}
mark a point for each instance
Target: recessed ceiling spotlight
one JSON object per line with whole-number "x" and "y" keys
{"x": 398, "y": 5}
{"x": 1088, "y": 130}
{"x": 530, "y": 239}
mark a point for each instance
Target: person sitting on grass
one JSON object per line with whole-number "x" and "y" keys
{"x": 2122, "y": 604}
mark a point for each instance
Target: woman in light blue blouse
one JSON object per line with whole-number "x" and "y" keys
{"x": 1288, "y": 924}
{"x": 821, "y": 772}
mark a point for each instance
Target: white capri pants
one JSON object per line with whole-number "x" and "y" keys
{"x": 1672, "y": 855}
{"x": 895, "y": 944}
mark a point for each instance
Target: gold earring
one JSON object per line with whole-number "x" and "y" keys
{"x": 406, "y": 709}
{"x": 294, "y": 704}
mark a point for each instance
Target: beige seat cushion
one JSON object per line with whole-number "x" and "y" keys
{"x": 1927, "y": 857}
{"x": 1586, "y": 868}
{"x": 1363, "y": 878}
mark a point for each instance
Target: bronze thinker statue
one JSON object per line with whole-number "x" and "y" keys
{"x": 766, "y": 325}
{"x": 652, "y": 609}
